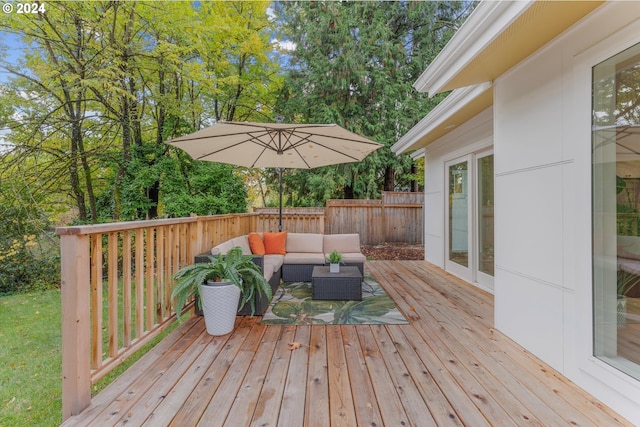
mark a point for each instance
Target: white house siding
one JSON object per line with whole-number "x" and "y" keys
{"x": 542, "y": 158}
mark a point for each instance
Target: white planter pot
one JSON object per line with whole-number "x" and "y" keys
{"x": 621, "y": 311}
{"x": 219, "y": 306}
{"x": 334, "y": 268}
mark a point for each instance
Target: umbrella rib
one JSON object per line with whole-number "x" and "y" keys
{"x": 294, "y": 147}
{"x": 306, "y": 139}
{"x": 368, "y": 142}
{"x": 265, "y": 147}
{"x": 252, "y": 139}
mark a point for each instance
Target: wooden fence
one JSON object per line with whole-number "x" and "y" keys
{"x": 295, "y": 220}
{"x": 117, "y": 277}
{"x": 396, "y": 218}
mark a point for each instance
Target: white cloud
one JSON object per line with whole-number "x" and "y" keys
{"x": 284, "y": 45}
{"x": 270, "y": 14}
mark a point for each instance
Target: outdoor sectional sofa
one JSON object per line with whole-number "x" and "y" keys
{"x": 290, "y": 256}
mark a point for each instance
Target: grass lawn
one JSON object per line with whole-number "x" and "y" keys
{"x": 31, "y": 360}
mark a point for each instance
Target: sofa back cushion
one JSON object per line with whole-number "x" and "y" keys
{"x": 343, "y": 243}
{"x": 243, "y": 242}
{"x": 629, "y": 247}
{"x": 222, "y": 248}
{"x": 275, "y": 243}
{"x": 257, "y": 244}
{"x": 304, "y": 243}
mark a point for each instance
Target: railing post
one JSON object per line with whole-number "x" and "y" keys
{"x": 76, "y": 320}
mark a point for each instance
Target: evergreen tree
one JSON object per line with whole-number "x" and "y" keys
{"x": 354, "y": 64}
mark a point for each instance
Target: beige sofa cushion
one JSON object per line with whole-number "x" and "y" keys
{"x": 343, "y": 243}
{"x": 351, "y": 257}
{"x": 304, "y": 243}
{"x": 243, "y": 242}
{"x": 629, "y": 247}
{"x": 304, "y": 258}
{"x": 274, "y": 259}
{"x": 267, "y": 271}
{"x": 222, "y": 248}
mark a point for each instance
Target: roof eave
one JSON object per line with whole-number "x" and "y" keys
{"x": 459, "y": 106}
{"x": 496, "y": 37}
{"x": 486, "y": 22}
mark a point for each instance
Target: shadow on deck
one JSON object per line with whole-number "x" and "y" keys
{"x": 447, "y": 367}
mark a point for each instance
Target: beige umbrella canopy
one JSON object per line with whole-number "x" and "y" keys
{"x": 276, "y": 145}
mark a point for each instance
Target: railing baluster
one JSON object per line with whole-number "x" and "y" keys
{"x": 159, "y": 272}
{"x": 112, "y": 277}
{"x": 139, "y": 272}
{"x": 96, "y": 301}
{"x": 126, "y": 283}
{"x": 149, "y": 269}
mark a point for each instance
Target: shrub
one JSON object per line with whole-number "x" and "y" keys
{"x": 27, "y": 266}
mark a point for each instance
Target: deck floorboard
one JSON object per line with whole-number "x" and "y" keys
{"x": 448, "y": 367}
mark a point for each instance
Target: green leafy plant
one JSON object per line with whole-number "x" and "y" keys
{"x": 626, "y": 282}
{"x": 335, "y": 257}
{"x": 233, "y": 267}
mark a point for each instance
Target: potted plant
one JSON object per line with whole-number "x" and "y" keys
{"x": 221, "y": 285}
{"x": 625, "y": 283}
{"x": 335, "y": 258}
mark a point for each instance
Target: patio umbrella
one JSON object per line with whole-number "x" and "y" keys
{"x": 276, "y": 145}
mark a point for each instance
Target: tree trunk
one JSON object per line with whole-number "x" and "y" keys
{"x": 414, "y": 182}
{"x": 75, "y": 181}
{"x": 348, "y": 192}
{"x": 87, "y": 177}
{"x": 389, "y": 179}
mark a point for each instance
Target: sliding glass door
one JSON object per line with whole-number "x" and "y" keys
{"x": 616, "y": 211}
{"x": 469, "y": 219}
{"x": 459, "y": 213}
{"x": 484, "y": 241}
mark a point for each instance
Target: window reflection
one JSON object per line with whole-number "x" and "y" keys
{"x": 616, "y": 210}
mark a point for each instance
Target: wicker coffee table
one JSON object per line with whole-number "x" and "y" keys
{"x": 345, "y": 285}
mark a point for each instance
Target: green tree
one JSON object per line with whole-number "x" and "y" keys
{"x": 104, "y": 84}
{"x": 354, "y": 64}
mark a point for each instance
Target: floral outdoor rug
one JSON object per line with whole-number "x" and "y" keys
{"x": 292, "y": 305}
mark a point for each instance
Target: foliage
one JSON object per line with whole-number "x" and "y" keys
{"x": 626, "y": 282}
{"x": 102, "y": 86}
{"x": 186, "y": 188}
{"x": 233, "y": 267}
{"x": 354, "y": 64}
{"x": 335, "y": 257}
{"x": 90, "y": 101}
{"x": 28, "y": 256}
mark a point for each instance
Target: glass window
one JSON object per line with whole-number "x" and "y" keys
{"x": 616, "y": 210}
{"x": 485, "y": 214}
{"x": 458, "y": 214}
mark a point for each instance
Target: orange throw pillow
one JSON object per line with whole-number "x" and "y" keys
{"x": 256, "y": 244}
{"x": 275, "y": 243}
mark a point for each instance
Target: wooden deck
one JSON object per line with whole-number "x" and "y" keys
{"x": 447, "y": 367}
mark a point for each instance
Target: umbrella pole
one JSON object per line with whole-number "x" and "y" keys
{"x": 280, "y": 181}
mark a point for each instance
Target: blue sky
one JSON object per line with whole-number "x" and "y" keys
{"x": 12, "y": 47}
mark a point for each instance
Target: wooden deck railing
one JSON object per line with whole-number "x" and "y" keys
{"x": 117, "y": 281}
